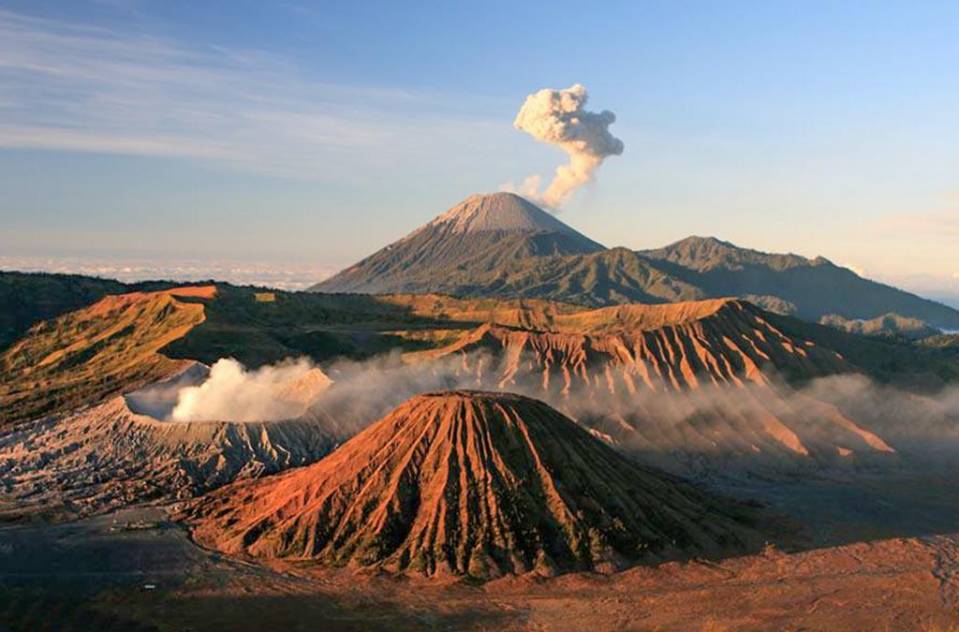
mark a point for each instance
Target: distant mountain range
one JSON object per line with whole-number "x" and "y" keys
{"x": 503, "y": 245}
{"x": 888, "y": 325}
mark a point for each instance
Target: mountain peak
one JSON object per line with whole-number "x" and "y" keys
{"x": 483, "y": 232}
{"x": 500, "y": 212}
{"x": 700, "y": 239}
{"x": 709, "y": 253}
{"x": 699, "y": 242}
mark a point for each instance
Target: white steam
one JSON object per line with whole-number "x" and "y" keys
{"x": 557, "y": 117}
{"x": 233, "y": 393}
{"x": 840, "y": 421}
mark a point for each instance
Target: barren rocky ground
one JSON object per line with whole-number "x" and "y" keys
{"x": 866, "y": 470}
{"x": 135, "y": 570}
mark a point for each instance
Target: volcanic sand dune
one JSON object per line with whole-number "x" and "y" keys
{"x": 471, "y": 483}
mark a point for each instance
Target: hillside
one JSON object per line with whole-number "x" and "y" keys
{"x": 122, "y": 342}
{"x": 475, "y": 484}
{"x": 817, "y": 287}
{"x": 28, "y": 298}
{"x": 107, "y": 348}
{"x": 711, "y": 388}
{"x": 121, "y": 338}
{"x": 608, "y": 277}
{"x": 889, "y": 325}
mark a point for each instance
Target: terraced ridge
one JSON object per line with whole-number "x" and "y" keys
{"x": 685, "y": 345}
{"x": 701, "y": 387}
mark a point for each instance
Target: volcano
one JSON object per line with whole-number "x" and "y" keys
{"x": 481, "y": 233}
{"x": 471, "y": 483}
{"x": 104, "y": 457}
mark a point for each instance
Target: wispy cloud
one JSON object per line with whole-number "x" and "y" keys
{"x": 940, "y": 224}
{"x": 51, "y": 137}
{"x": 74, "y": 87}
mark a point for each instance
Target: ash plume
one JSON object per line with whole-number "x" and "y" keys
{"x": 365, "y": 390}
{"x": 557, "y": 117}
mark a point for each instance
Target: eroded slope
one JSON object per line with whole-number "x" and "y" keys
{"x": 470, "y": 483}
{"x": 696, "y": 387}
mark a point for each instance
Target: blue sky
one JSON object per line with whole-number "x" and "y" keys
{"x": 317, "y": 132}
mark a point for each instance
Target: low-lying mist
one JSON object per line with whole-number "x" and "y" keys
{"x": 837, "y": 420}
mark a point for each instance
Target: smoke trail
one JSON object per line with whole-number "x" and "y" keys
{"x": 557, "y": 117}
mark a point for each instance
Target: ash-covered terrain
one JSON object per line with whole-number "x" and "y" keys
{"x": 177, "y": 456}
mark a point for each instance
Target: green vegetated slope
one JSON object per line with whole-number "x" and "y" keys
{"x": 27, "y": 298}
{"x": 817, "y": 287}
{"x": 83, "y": 356}
{"x": 921, "y": 365}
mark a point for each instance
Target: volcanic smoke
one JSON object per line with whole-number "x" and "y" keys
{"x": 557, "y": 117}
{"x": 234, "y": 393}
